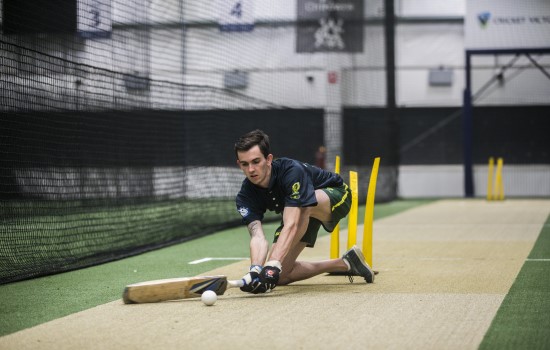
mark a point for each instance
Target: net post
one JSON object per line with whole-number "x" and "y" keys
{"x": 467, "y": 127}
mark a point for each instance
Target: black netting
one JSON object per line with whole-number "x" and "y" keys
{"x": 118, "y": 118}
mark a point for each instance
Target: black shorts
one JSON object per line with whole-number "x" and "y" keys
{"x": 340, "y": 202}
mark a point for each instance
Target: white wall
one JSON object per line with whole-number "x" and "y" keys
{"x": 420, "y": 48}
{"x": 279, "y": 74}
{"x": 430, "y": 7}
{"x": 448, "y": 181}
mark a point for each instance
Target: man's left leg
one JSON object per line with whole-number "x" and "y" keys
{"x": 329, "y": 210}
{"x": 294, "y": 270}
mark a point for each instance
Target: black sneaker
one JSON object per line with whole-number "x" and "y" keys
{"x": 359, "y": 267}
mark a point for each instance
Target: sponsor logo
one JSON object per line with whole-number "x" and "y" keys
{"x": 295, "y": 191}
{"x": 327, "y": 5}
{"x": 243, "y": 211}
{"x": 329, "y": 34}
{"x": 213, "y": 284}
{"x": 484, "y": 18}
{"x": 330, "y": 25}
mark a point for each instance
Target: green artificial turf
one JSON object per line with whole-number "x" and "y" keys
{"x": 28, "y": 303}
{"x": 523, "y": 319}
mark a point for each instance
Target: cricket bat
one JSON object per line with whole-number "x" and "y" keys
{"x": 176, "y": 288}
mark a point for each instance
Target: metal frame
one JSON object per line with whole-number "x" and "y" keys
{"x": 467, "y": 117}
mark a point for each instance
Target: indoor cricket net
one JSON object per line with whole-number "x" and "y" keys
{"x": 91, "y": 176}
{"x": 99, "y": 161}
{"x": 86, "y": 177}
{"x": 118, "y": 120}
{"x": 99, "y": 172}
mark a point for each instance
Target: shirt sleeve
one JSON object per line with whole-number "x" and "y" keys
{"x": 298, "y": 187}
{"x": 246, "y": 208}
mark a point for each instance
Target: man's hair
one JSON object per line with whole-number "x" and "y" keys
{"x": 251, "y": 139}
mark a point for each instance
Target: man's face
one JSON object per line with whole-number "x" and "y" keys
{"x": 255, "y": 166}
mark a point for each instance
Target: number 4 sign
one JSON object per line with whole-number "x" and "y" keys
{"x": 236, "y": 15}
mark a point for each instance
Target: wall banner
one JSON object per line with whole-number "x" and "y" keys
{"x": 507, "y": 24}
{"x": 236, "y": 15}
{"x": 94, "y": 19}
{"x": 329, "y": 26}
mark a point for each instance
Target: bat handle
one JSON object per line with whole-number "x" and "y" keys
{"x": 236, "y": 283}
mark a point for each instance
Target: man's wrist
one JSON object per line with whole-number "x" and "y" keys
{"x": 256, "y": 268}
{"x": 275, "y": 263}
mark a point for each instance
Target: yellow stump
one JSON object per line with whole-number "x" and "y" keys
{"x": 499, "y": 186}
{"x": 369, "y": 212}
{"x": 490, "y": 174}
{"x": 335, "y": 235}
{"x": 352, "y": 219}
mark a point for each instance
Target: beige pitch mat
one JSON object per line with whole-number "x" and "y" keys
{"x": 444, "y": 270}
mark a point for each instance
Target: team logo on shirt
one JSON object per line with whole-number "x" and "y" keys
{"x": 243, "y": 211}
{"x": 295, "y": 191}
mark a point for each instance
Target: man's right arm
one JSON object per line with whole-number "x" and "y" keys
{"x": 258, "y": 243}
{"x": 258, "y": 255}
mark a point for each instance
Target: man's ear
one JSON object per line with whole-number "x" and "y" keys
{"x": 269, "y": 158}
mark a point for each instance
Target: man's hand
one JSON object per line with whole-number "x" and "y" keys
{"x": 269, "y": 276}
{"x": 252, "y": 282}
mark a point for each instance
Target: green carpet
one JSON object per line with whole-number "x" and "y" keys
{"x": 523, "y": 320}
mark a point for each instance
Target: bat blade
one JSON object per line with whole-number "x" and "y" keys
{"x": 176, "y": 288}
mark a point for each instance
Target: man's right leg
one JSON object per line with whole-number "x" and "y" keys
{"x": 358, "y": 266}
{"x": 294, "y": 270}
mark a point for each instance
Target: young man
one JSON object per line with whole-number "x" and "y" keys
{"x": 307, "y": 197}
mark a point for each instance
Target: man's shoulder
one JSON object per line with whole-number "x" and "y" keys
{"x": 246, "y": 194}
{"x": 246, "y": 186}
{"x": 249, "y": 190}
{"x": 285, "y": 163}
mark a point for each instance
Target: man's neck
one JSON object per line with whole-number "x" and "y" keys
{"x": 267, "y": 179}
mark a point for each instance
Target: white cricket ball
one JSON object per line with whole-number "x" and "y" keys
{"x": 209, "y": 297}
